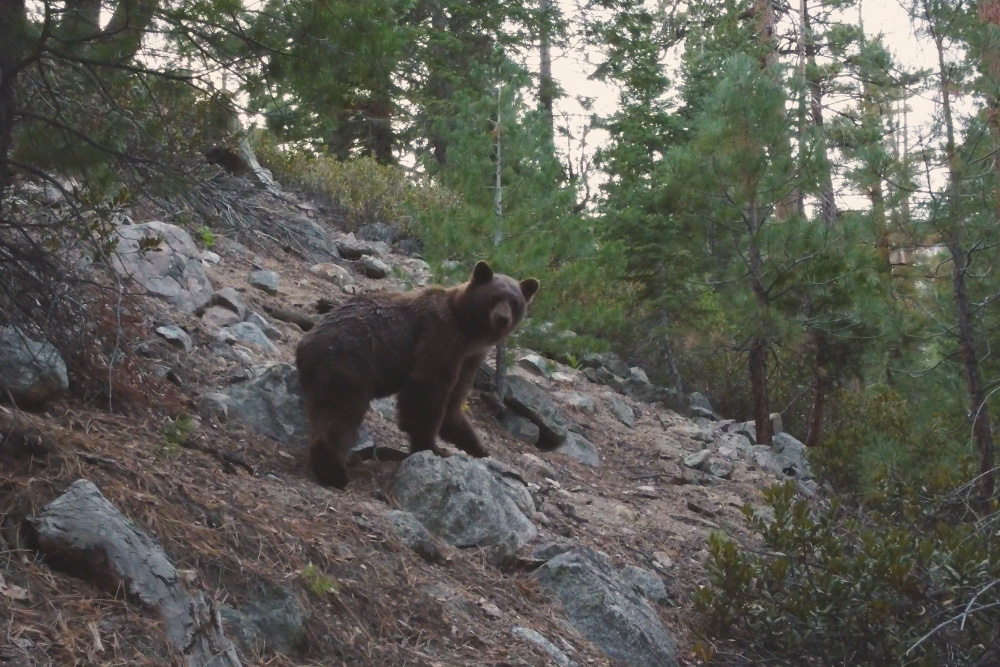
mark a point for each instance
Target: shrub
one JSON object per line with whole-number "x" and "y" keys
{"x": 363, "y": 189}
{"x": 832, "y": 587}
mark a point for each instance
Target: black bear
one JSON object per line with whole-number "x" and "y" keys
{"x": 425, "y": 345}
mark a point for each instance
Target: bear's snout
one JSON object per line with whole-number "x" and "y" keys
{"x": 502, "y": 317}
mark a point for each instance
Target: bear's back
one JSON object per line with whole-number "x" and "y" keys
{"x": 370, "y": 340}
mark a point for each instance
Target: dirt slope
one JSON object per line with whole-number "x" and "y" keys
{"x": 241, "y": 513}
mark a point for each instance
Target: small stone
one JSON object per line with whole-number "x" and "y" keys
{"x": 620, "y": 409}
{"x": 491, "y": 610}
{"x": 351, "y": 248}
{"x": 729, "y": 453}
{"x": 265, "y": 325}
{"x": 211, "y": 257}
{"x": 214, "y": 407}
{"x": 373, "y": 267}
{"x": 718, "y": 468}
{"x": 228, "y": 297}
{"x": 219, "y": 317}
{"x": 662, "y": 561}
{"x": 575, "y": 399}
{"x": 535, "y": 363}
{"x": 176, "y": 336}
{"x": 337, "y": 275}
{"x": 534, "y": 464}
{"x": 698, "y": 459}
{"x": 248, "y": 334}
{"x": 266, "y": 281}
{"x": 580, "y": 449}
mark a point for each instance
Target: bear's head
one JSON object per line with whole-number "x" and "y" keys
{"x": 493, "y": 304}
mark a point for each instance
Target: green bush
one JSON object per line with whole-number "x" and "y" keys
{"x": 879, "y": 436}
{"x": 833, "y": 587}
{"x": 363, "y": 189}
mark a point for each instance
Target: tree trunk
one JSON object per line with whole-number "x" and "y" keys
{"x": 828, "y": 203}
{"x": 12, "y": 19}
{"x": 500, "y": 377}
{"x": 989, "y": 13}
{"x": 673, "y": 367}
{"x": 981, "y": 429}
{"x": 440, "y": 89}
{"x": 758, "y": 387}
{"x": 546, "y": 91}
{"x": 814, "y": 436}
{"x": 757, "y": 358}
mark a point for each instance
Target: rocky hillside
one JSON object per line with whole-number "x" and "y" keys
{"x": 202, "y": 540}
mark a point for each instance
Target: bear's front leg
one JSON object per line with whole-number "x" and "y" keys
{"x": 455, "y": 428}
{"x": 423, "y": 399}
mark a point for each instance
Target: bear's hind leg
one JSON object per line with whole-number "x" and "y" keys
{"x": 334, "y": 430}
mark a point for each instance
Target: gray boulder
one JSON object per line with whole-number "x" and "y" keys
{"x": 792, "y": 455}
{"x": 275, "y": 620}
{"x": 646, "y": 583}
{"x": 271, "y": 403}
{"x": 621, "y": 410}
{"x": 219, "y": 317}
{"x": 414, "y": 535}
{"x": 529, "y": 635}
{"x": 606, "y": 609}
{"x": 458, "y": 499}
{"x": 33, "y": 372}
{"x": 530, "y": 401}
{"x": 171, "y": 270}
{"x": 265, "y": 281}
{"x": 176, "y": 336}
{"x": 520, "y": 428}
{"x": 265, "y": 325}
{"x": 373, "y": 267}
{"x": 580, "y": 449}
{"x": 247, "y": 333}
{"x": 230, "y": 299}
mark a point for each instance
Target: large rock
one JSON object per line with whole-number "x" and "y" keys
{"x": 620, "y": 409}
{"x": 247, "y": 333}
{"x": 579, "y": 448}
{"x": 33, "y": 372}
{"x": 520, "y": 428}
{"x": 415, "y": 536}
{"x": 265, "y": 281}
{"x": 461, "y": 501}
{"x": 171, "y": 270}
{"x": 532, "y": 402}
{"x": 271, "y": 403}
{"x": 792, "y": 455}
{"x": 604, "y": 607}
{"x": 274, "y": 621}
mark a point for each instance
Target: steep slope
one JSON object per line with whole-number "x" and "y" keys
{"x": 306, "y": 575}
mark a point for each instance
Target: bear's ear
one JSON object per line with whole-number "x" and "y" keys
{"x": 528, "y": 289}
{"x": 482, "y": 274}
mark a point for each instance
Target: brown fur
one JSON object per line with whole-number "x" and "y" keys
{"x": 424, "y": 345}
